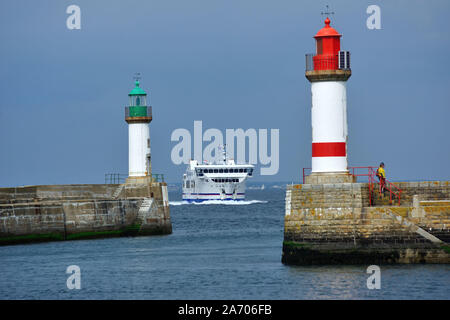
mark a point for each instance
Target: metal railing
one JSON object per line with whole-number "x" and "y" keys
{"x": 115, "y": 178}
{"x": 138, "y": 111}
{"x": 339, "y": 61}
{"x": 118, "y": 178}
{"x": 158, "y": 177}
{"x": 371, "y": 174}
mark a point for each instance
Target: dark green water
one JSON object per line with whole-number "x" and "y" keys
{"x": 215, "y": 252}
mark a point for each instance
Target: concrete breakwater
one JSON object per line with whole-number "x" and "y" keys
{"x": 334, "y": 224}
{"x": 67, "y": 212}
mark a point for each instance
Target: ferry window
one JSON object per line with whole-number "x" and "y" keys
{"x": 216, "y": 170}
{"x": 241, "y": 170}
{"x": 192, "y": 184}
{"x": 220, "y": 170}
{"x": 188, "y": 184}
{"x": 225, "y": 170}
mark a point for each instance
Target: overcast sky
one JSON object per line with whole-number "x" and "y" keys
{"x": 230, "y": 63}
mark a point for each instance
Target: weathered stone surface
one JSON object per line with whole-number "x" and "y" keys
{"x": 65, "y": 212}
{"x": 333, "y": 223}
{"x": 330, "y": 178}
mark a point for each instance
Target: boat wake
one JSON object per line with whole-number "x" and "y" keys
{"x": 227, "y": 202}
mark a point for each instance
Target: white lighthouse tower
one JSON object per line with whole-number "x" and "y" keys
{"x": 328, "y": 71}
{"x": 138, "y": 116}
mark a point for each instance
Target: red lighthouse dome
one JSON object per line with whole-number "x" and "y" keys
{"x": 328, "y": 45}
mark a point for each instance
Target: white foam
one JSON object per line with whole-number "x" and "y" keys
{"x": 219, "y": 202}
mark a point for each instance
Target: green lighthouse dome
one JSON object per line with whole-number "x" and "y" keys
{"x": 137, "y": 91}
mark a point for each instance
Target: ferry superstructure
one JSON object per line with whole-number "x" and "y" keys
{"x": 219, "y": 181}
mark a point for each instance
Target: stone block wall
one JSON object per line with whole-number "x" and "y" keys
{"x": 334, "y": 224}
{"x": 57, "y": 192}
{"x": 44, "y": 213}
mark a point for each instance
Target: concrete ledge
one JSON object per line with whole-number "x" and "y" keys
{"x": 329, "y": 177}
{"x": 328, "y": 75}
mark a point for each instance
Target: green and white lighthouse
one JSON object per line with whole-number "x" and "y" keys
{"x": 138, "y": 116}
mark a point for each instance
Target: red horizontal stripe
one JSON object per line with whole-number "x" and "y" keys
{"x": 329, "y": 149}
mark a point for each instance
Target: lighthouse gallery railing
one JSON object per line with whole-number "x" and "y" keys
{"x": 340, "y": 61}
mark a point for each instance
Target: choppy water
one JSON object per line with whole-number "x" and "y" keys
{"x": 215, "y": 252}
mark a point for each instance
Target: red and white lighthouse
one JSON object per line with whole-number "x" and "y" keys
{"x": 328, "y": 71}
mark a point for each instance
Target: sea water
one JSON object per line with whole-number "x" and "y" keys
{"x": 216, "y": 251}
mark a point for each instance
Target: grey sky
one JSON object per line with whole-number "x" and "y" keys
{"x": 231, "y": 64}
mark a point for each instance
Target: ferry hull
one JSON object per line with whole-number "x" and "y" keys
{"x": 209, "y": 197}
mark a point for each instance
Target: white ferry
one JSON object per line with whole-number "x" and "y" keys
{"x": 219, "y": 181}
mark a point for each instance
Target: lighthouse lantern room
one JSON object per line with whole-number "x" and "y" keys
{"x": 138, "y": 116}
{"x": 328, "y": 71}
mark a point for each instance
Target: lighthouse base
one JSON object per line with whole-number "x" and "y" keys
{"x": 329, "y": 177}
{"x": 139, "y": 180}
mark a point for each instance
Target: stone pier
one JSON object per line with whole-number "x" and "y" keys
{"x": 334, "y": 223}
{"x": 67, "y": 212}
